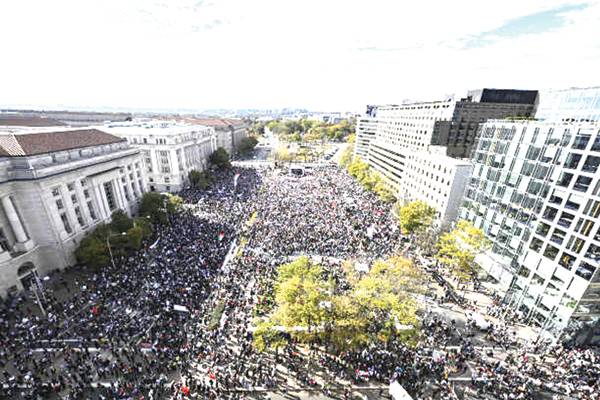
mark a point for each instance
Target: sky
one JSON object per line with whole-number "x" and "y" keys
{"x": 314, "y": 54}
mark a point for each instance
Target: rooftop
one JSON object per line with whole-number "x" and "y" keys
{"x": 29, "y": 144}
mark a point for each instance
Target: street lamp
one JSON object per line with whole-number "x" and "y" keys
{"x": 112, "y": 260}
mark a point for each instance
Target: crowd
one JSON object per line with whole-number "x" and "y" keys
{"x": 174, "y": 320}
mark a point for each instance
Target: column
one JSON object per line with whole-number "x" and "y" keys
{"x": 69, "y": 208}
{"x": 118, "y": 189}
{"x": 14, "y": 220}
{"x": 83, "y": 203}
{"x": 23, "y": 242}
{"x": 101, "y": 202}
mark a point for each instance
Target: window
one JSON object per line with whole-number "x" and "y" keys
{"x": 566, "y": 260}
{"x": 542, "y": 229}
{"x": 86, "y": 193}
{"x": 550, "y": 213}
{"x": 536, "y": 244}
{"x": 66, "y": 223}
{"x": 565, "y": 219}
{"x": 596, "y": 144}
{"x": 71, "y": 186}
{"x": 572, "y": 160}
{"x": 55, "y": 191}
{"x": 582, "y": 184}
{"x": 126, "y": 191}
{"x": 581, "y": 142}
{"x": 110, "y": 196}
{"x": 167, "y": 179}
{"x": 59, "y": 204}
{"x": 551, "y": 252}
{"x": 585, "y": 270}
{"x": 564, "y": 179}
{"x": 591, "y": 164}
{"x": 4, "y": 245}
{"x": 80, "y": 220}
{"x": 73, "y": 199}
{"x": 593, "y": 252}
{"x": 92, "y": 211}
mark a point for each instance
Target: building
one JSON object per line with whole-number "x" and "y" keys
{"x": 230, "y": 132}
{"x": 437, "y": 180}
{"x": 575, "y": 104}
{"x": 404, "y": 142}
{"x": 170, "y": 150}
{"x": 460, "y": 133}
{"x": 56, "y": 186}
{"x": 535, "y": 192}
{"x": 366, "y": 128}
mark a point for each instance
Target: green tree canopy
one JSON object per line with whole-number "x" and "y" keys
{"x": 416, "y": 216}
{"x": 200, "y": 180}
{"x": 220, "y": 158}
{"x": 120, "y": 221}
{"x": 458, "y": 249}
{"x": 247, "y": 144}
{"x": 311, "y": 308}
{"x": 153, "y": 205}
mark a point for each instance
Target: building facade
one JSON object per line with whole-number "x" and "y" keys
{"x": 54, "y": 188}
{"x": 366, "y": 128}
{"x": 460, "y": 133}
{"x": 170, "y": 150}
{"x": 535, "y": 192}
{"x": 230, "y": 132}
{"x": 437, "y": 180}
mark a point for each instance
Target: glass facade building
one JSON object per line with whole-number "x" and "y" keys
{"x": 535, "y": 192}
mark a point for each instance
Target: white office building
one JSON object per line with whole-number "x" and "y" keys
{"x": 366, "y": 128}
{"x": 437, "y": 180}
{"x": 170, "y": 150}
{"x": 535, "y": 192}
{"x": 56, "y": 186}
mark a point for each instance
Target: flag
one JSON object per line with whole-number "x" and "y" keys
{"x": 221, "y": 235}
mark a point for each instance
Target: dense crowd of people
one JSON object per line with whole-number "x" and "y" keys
{"x": 174, "y": 320}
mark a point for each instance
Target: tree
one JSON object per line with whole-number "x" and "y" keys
{"x": 373, "y": 309}
{"x": 93, "y": 252}
{"x": 200, "y": 180}
{"x": 247, "y": 144}
{"x": 220, "y": 158}
{"x": 153, "y": 205}
{"x": 120, "y": 221}
{"x": 416, "y": 216}
{"x": 457, "y": 249}
{"x": 283, "y": 154}
{"x": 346, "y": 157}
{"x": 174, "y": 203}
{"x": 382, "y": 190}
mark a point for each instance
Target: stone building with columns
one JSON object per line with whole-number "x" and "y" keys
{"x": 56, "y": 186}
{"x": 169, "y": 149}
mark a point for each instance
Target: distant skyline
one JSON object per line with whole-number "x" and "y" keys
{"x": 318, "y": 55}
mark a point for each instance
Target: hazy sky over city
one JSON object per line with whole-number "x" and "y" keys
{"x": 318, "y": 54}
